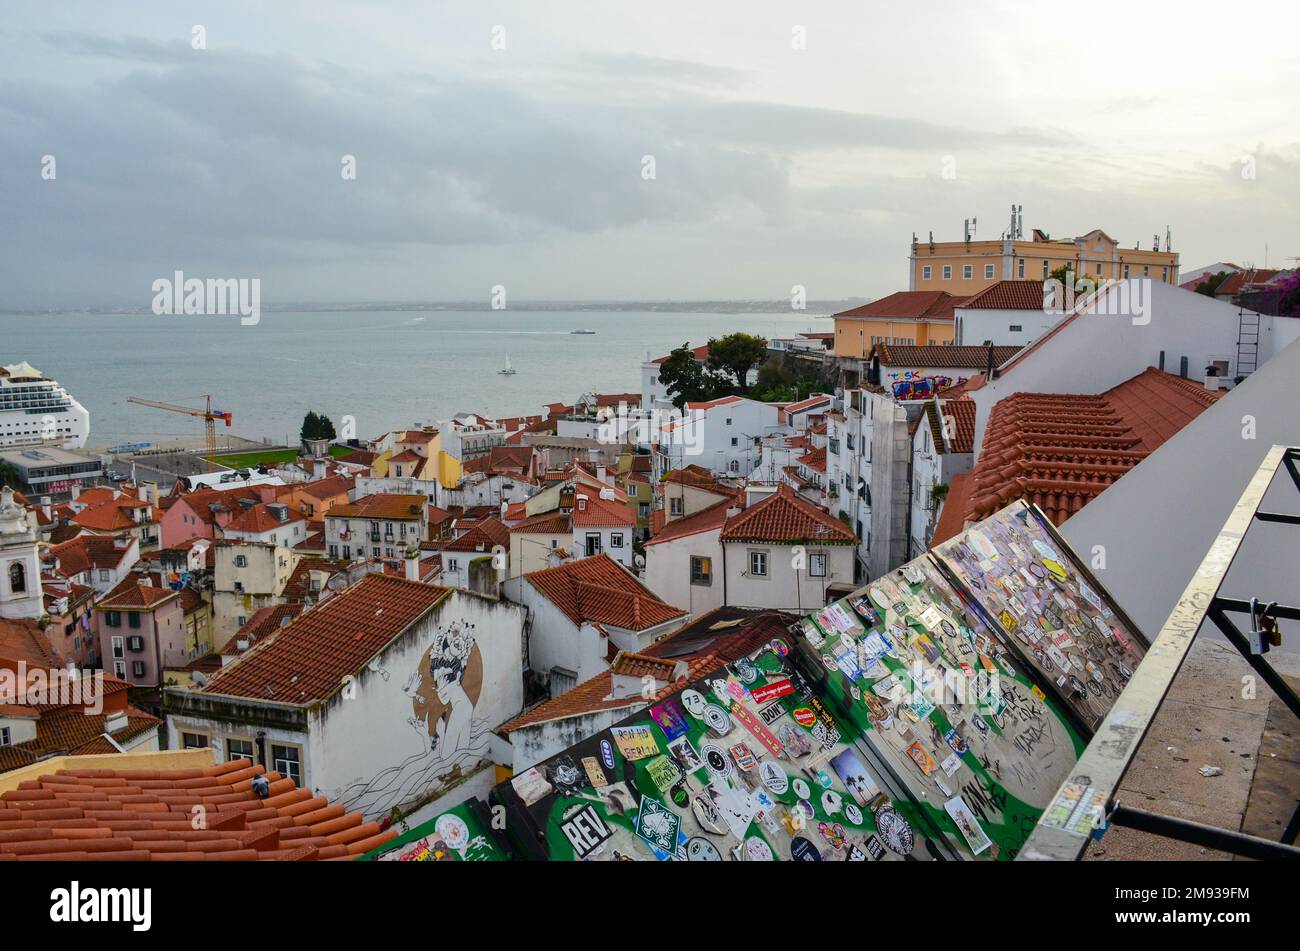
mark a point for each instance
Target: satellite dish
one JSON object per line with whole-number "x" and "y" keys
{"x": 638, "y": 561}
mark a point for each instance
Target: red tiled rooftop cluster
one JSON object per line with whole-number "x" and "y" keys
{"x": 596, "y": 589}
{"x": 143, "y": 815}
{"x": 1060, "y": 451}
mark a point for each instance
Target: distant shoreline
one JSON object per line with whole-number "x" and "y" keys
{"x": 814, "y": 309}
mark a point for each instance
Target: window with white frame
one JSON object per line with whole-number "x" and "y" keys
{"x": 968, "y": 271}
{"x": 238, "y": 749}
{"x": 947, "y": 272}
{"x": 758, "y": 564}
{"x": 817, "y": 564}
{"x": 287, "y": 761}
{"x": 616, "y": 540}
{"x": 925, "y": 272}
{"x": 988, "y": 272}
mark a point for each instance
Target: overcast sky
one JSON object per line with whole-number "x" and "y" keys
{"x": 774, "y": 165}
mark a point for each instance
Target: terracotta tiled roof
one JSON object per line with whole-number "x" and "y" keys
{"x": 709, "y": 519}
{"x": 22, "y": 640}
{"x": 307, "y": 660}
{"x": 329, "y": 488}
{"x": 510, "y": 457}
{"x": 907, "y": 305}
{"x": 298, "y": 587}
{"x": 1251, "y": 277}
{"x": 952, "y": 515}
{"x": 484, "y": 536}
{"x": 632, "y": 664}
{"x": 360, "y": 457}
{"x": 962, "y": 428}
{"x": 601, "y": 513}
{"x": 784, "y": 518}
{"x": 1061, "y": 451}
{"x": 202, "y": 501}
{"x": 111, "y": 516}
{"x": 88, "y": 551}
{"x": 416, "y": 436}
{"x": 817, "y": 399}
{"x": 259, "y": 519}
{"x": 130, "y": 593}
{"x": 1008, "y": 295}
{"x": 114, "y": 815}
{"x": 815, "y": 460}
{"x": 75, "y": 730}
{"x": 590, "y": 696}
{"x": 382, "y": 506}
{"x": 548, "y": 523}
{"x": 597, "y": 589}
{"x": 947, "y": 357}
{"x": 699, "y": 353}
{"x": 697, "y": 477}
{"x": 264, "y": 622}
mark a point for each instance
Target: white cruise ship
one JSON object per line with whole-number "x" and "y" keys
{"x": 37, "y": 411}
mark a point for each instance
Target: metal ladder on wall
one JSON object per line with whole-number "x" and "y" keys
{"x": 1247, "y": 342}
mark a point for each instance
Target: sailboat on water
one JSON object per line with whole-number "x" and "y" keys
{"x": 507, "y": 370}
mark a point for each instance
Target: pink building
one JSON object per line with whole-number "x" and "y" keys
{"x": 140, "y": 628}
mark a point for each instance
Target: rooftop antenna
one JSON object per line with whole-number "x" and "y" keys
{"x": 1169, "y": 241}
{"x": 1020, "y": 221}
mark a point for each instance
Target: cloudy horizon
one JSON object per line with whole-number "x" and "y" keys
{"x": 498, "y": 144}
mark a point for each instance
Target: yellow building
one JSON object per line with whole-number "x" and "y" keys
{"x": 965, "y": 268}
{"x": 905, "y": 318}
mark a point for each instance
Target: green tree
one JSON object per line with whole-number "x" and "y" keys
{"x": 317, "y": 426}
{"x": 310, "y": 426}
{"x": 684, "y": 379}
{"x": 733, "y": 356}
{"x": 1209, "y": 286}
{"x": 9, "y": 475}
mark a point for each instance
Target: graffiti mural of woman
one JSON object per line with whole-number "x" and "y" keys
{"x": 444, "y": 690}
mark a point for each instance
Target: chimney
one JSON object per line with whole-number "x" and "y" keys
{"x": 46, "y": 508}
{"x": 149, "y": 492}
{"x": 76, "y": 491}
{"x": 318, "y": 469}
{"x": 413, "y": 565}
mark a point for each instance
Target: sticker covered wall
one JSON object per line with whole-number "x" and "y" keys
{"x": 747, "y": 764}
{"x": 975, "y": 740}
{"x": 1032, "y": 588}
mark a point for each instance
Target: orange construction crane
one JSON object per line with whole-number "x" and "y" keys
{"x": 209, "y": 417}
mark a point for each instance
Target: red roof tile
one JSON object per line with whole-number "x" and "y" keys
{"x": 784, "y": 518}
{"x": 601, "y": 513}
{"x": 945, "y": 356}
{"x": 907, "y": 305}
{"x": 22, "y": 640}
{"x": 382, "y": 506}
{"x": 548, "y": 523}
{"x": 113, "y": 815}
{"x": 307, "y": 660}
{"x": 597, "y": 589}
{"x": 1060, "y": 451}
{"x": 259, "y": 519}
{"x": 961, "y": 431}
{"x": 1008, "y": 295}
{"x": 815, "y": 460}
{"x": 705, "y": 520}
{"x": 88, "y": 551}
{"x": 130, "y": 593}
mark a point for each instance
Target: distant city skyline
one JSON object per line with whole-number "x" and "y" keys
{"x": 583, "y": 152}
